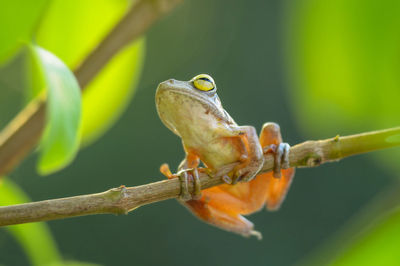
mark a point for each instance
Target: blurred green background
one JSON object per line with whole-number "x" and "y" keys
{"x": 317, "y": 68}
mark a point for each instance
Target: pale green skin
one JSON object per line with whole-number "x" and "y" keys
{"x": 205, "y": 128}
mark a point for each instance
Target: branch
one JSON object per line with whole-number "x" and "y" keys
{"x": 132, "y": 25}
{"x": 22, "y": 134}
{"x": 124, "y": 199}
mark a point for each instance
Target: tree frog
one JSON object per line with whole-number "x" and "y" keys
{"x": 192, "y": 110}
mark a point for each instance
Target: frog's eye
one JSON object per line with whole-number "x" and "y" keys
{"x": 203, "y": 82}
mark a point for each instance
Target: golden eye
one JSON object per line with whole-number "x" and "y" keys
{"x": 203, "y": 82}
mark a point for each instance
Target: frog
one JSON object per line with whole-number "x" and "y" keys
{"x": 193, "y": 111}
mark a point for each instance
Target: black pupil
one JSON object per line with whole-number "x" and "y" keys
{"x": 205, "y": 79}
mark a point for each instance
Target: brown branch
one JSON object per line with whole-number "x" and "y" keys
{"x": 124, "y": 199}
{"x": 22, "y": 134}
{"x": 131, "y": 26}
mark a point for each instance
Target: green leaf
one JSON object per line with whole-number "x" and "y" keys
{"x": 17, "y": 22}
{"x": 344, "y": 67}
{"x": 343, "y": 58}
{"x": 107, "y": 96}
{"x": 378, "y": 246}
{"x": 371, "y": 238}
{"x": 73, "y": 263}
{"x": 60, "y": 140}
{"x": 374, "y": 242}
{"x": 71, "y": 30}
{"x": 35, "y": 238}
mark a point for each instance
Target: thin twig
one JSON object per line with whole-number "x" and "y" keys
{"x": 22, "y": 134}
{"x": 124, "y": 199}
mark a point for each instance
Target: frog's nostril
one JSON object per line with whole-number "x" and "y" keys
{"x": 167, "y": 83}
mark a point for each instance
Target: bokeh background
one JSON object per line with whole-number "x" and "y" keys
{"x": 318, "y": 68}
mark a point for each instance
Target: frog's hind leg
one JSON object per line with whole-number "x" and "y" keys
{"x": 278, "y": 182}
{"x": 222, "y": 216}
{"x": 221, "y": 207}
{"x": 224, "y": 205}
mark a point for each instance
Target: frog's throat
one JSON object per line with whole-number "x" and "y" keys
{"x": 204, "y": 100}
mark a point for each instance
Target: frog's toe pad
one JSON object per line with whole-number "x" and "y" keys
{"x": 246, "y": 174}
{"x": 255, "y": 233}
{"x": 164, "y": 169}
{"x": 227, "y": 179}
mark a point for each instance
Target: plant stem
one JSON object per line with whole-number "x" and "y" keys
{"x": 124, "y": 199}
{"x": 138, "y": 20}
{"x": 22, "y": 134}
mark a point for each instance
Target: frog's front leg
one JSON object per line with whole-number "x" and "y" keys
{"x": 187, "y": 171}
{"x": 251, "y": 159}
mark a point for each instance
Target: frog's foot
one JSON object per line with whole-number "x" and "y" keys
{"x": 281, "y": 156}
{"x": 245, "y": 171}
{"x": 185, "y": 176}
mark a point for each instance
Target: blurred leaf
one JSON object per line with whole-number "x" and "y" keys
{"x": 60, "y": 140}
{"x": 107, "y": 96}
{"x": 378, "y": 246}
{"x": 344, "y": 62}
{"x": 35, "y": 238}
{"x": 373, "y": 238}
{"x": 370, "y": 236}
{"x": 17, "y": 21}
{"x": 71, "y": 30}
{"x": 72, "y": 263}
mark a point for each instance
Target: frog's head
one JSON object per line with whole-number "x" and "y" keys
{"x": 180, "y": 102}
